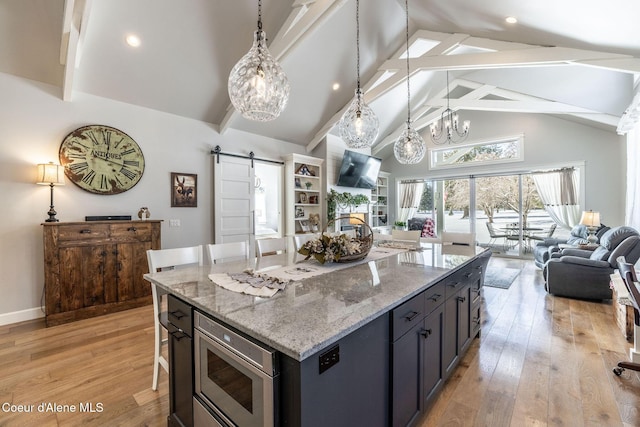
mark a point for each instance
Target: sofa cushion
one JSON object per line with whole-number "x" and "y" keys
{"x": 614, "y": 236}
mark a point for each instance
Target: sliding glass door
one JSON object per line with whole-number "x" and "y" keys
{"x": 504, "y": 211}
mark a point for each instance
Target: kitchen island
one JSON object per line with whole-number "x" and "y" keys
{"x": 369, "y": 344}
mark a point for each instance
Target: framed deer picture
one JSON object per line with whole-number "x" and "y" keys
{"x": 184, "y": 190}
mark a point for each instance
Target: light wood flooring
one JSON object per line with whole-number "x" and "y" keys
{"x": 540, "y": 361}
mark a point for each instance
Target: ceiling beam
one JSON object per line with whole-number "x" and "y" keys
{"x": 532, "y": 57}
{"x": 305, "y": 18}
{"x": 74, "y": 21}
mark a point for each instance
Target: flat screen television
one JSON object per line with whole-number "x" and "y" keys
{"x": 358, "y": 170}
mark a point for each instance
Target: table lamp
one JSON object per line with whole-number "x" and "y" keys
{"x": 591, "y": 220}
{"x": 50, "y": 174}
{"x": 357, "y": 219}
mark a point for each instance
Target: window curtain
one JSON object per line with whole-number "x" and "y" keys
{"x": 410, "y": 194}
{"x": 632, "y": 211}
{"x": 558, "y": 191}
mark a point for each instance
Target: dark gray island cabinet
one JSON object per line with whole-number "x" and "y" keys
{"x": 385, "y": 370}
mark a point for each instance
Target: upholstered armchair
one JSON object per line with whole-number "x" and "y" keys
{"x": 543, "y": 250}
{"x": 585, "y": 274}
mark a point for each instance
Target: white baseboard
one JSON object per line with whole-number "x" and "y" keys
{"x": 21, "y": 316}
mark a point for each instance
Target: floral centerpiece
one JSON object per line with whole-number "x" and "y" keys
{"x": 330, "y": 248}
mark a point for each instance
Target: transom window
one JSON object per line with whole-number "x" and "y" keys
{"x": 504, "y": 150}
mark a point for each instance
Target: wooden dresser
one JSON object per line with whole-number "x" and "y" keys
{"x": 94, "y": 268}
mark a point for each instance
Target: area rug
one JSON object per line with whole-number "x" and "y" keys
{"x": 500, "y": 277}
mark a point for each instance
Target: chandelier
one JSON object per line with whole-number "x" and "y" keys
{"x": 409, "y": 148}
{"x": 447, "y": 129}
{"x": 359, "y": 124}
{"x": 257, "y": 86}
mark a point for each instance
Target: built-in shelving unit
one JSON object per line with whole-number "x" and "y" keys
{"x": 304, "y": 198}
{"x": 379, "y": 202}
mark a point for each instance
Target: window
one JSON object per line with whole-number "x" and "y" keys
{"x": 509, "y": 149}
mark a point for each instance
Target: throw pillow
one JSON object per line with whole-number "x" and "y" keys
{"x": 428, "y": 228}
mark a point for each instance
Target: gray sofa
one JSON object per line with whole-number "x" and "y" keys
{"x": 580, "y": 273}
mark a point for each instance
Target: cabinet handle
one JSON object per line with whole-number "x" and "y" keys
{"x": 476, "y": 321}
{"x": 132, "y": 229}
{"x": 453, "y": 285}
{"x": 468, "y": 275}
{"x": 85, "y": 231}
{"x": 179, "y": 334}
{"x": 435, "y": 297}
{"x": 461, "y": 299}
{"x": 177, "y": 314}
{"x": 409, "y": 317}
{"x": 425, "y": 332}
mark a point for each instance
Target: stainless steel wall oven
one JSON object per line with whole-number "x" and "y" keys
{"x": 236, "y": 379}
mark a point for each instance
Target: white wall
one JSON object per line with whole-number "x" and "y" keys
{"x": 549, "y": 141}
{"x": 33, "y": 122}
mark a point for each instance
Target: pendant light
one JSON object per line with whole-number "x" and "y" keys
{"x": 409, "y": 148}
{"x": 446, "y": 130}
{"x": 359, "y": 124}
{"x": 257, "y": 86}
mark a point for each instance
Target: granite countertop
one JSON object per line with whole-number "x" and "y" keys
{"x": 314, "y": 313}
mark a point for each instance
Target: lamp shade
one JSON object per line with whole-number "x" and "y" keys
{"x": 590, "y": 219}
{"x": 356, "y": 218}
{"x": 50, "y": 174}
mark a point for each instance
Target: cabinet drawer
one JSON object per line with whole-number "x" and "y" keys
{"x": 453, "y": 283}
{"x": 407, "y": 315}
{"x": 433, "y": 297}
{"x": 131, "y": 232}
{"x": 79, "y": 232}
{"x": 179, "y": 314}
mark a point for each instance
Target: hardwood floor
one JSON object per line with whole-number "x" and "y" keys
{"x": 105, "y": 361}
{"x": 541, "y": 361}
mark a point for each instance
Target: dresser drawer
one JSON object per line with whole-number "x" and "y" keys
{"x": 433, "y": 297}
{"x": 80, "y": 232}
{"x": 131, "y": 232}
{"x": 405, "y": 316}
{"x": 179, "y": 314}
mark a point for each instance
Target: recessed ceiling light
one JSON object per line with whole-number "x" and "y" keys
{"x": 336, "y": 86}
{"x": 511, "y": 19}
{"x": 133, "y": 40}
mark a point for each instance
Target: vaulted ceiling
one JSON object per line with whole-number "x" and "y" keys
{"x": 575, "y": 59}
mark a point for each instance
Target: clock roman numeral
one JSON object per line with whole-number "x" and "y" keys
{"x": 128, "y": 173}
{"x": 93, "y": 138}
{"x": 78, "y": 167}
{"x": 129, "y": 151}
{"x": 134, "y": 163}
{"x": 88, "y": 178}
{"x": 106, "y": 136}
{"x": 103, "y": 182}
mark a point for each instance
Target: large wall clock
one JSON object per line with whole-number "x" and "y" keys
{"x": 101, "y": 159}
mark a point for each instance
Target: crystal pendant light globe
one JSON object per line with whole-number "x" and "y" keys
{"x": 359, "y": 124}
{"x": 257, "y": 86}
{"x": 409, "y": 148}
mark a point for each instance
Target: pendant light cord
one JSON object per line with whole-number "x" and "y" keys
{"x": 406, "y": 4}
{"x": 358, "y": 42}
{"x": 259, "y": 15}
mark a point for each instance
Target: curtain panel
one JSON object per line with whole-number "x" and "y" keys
{"x": 632, "y": 211}
{"x": 410, "y": 194}
{"x": 558, "y": 191}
